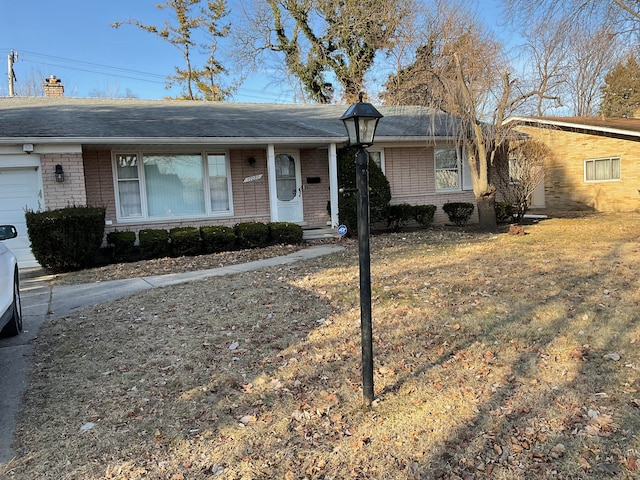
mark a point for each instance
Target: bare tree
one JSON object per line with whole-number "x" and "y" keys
{"x": 111, "y": 91}
{"x": 528, "y": 161}
{"x": 591, "y": 57}
{"x": 30, "y": 85}
{"x": 328, "y": 45}
{"x": 464, "y": 71}
{"x": 621, "y": 16}
{"x": 190, "y": 18}
{"x": 545, "y": 66}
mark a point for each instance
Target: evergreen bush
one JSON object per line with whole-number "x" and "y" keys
{"x": 285, "y": 233}
{"x": 121, "y": 244}
{"x": 217, "y": 238}
{"x": 185, "y": 241}
{"x": 398, "y": 216}
{"x": 252, "y": 235}
{"x": 504, "y": 212}
{"x": 154, "y": 243}
{"x": 459, "y": 213}
{"x": 66, "y": 239}
{"x": 379, "y": 191}
{"x": 423, "y": 214}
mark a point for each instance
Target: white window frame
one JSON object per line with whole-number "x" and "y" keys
{"x": 382, "y": 162}
{"x": 208, "y": 212}
{"x": 459, "y": 158}
{"x": 602, "y": 159}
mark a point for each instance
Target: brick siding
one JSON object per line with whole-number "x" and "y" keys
{"x": 72, "y": 191}
{"x": 565, "y": 188}
{"x": 409, "y": 170}
{"x": 411, "y": 174}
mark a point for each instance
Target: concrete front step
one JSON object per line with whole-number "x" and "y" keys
{"x": 315, "y": 233}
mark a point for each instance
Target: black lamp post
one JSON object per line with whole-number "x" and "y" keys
{"x": 361, "y": 120}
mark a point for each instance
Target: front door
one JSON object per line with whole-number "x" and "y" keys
{"x": 289, "y": 188}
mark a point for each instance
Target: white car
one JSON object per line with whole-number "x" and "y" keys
{"x": 10, "y": 306}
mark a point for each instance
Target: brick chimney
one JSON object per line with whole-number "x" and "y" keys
{"x": 53, "y": 87}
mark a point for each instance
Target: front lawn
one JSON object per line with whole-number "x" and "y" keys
{"x": 496, "y": 356}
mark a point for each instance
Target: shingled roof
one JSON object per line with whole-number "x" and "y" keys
{"x": 629, "y": 127}
{"x": 133, "y": 121}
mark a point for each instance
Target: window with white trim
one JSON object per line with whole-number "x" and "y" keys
{"x": 170, "y": 185}
{"x": 602, "y": 169}
{"x": 447, "y": 168}
{"x": 378, "y": 158}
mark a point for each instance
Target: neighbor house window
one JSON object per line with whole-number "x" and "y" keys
{"x": 602, "y": 169}
{"x": 447, "y": 165}
{"x": 165, "y": 186}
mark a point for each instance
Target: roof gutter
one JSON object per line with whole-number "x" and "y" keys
{"x": 215, "y": 140}
{"x": 174, "y": 140}
{"x": 581, "y": 126}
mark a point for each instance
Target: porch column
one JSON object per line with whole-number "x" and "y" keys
{"x": 333, "y": 184}
{"x": 271, "y": 175}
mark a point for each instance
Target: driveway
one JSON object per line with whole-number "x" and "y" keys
{"x": 16, "y": 351}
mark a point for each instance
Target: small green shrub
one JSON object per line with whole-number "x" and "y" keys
{"x": 398, "y": 216}
{"x": 459, "y": 213}
{"x": 122, "y": 244}
{"x": 252, "y": 234}
{"x": 285, "y": 233}
{"x": 154, "y": 243}
{"x": 185, "y": 241}
{"x": 423, "y": 214}
{"x": 67, "y": 238}
{"x": 217, "y": 238}
{"x": 504, "y": 212}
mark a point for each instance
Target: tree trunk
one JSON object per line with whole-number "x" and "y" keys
{"x": 487, "y": 212}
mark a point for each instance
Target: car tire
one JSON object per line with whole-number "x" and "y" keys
{"x": 14, "y": 327}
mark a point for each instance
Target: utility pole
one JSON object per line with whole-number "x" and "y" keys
{"x": 11, "y": 58}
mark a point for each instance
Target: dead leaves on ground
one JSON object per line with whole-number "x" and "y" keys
{"x": 493, "y": 359}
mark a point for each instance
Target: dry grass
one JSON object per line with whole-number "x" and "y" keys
{"x": 490, "y": 363}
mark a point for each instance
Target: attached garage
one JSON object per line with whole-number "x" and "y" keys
{"x": 20, "y": 189}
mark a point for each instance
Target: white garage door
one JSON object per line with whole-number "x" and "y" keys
{"x": 19, "y": 190}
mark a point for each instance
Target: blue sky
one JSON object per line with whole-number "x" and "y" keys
{"x": 72, "y": 40}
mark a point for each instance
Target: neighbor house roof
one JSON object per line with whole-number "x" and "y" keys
{"x": 102, "y": 121}
{"x": 616, "y": 126}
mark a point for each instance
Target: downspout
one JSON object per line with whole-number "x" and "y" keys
{"x": 333, "y": 184}
{"x": 273, "y": 188}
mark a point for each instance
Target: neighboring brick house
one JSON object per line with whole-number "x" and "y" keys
{"x": 595, "y": 165}
{"x": 160, "y": 164}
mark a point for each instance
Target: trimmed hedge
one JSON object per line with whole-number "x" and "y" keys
{"x": 285, "y": 233}
{"x": 423, "y": 214}
{"x": 399, "y": 216}
{"x": 217, "y": 239}
{"x": 154, "y": 243}
{"x": 121, "y": 243}
{"x": 66, "y": 239}
{"x": 252, "y": 235}
{"x": 185, "y": 241}
{"x": 459, "y": 213}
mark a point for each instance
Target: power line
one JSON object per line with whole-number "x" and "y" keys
{"x": 127, "y": 73}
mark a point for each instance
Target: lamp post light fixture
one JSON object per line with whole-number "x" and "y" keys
{"x": 361, "y": 120}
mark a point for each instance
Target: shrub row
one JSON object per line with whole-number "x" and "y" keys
{"x": 398, "y": 216}
{"x": 185, "y": 241}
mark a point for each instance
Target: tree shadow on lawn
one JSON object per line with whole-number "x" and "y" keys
{"x": 482, "y": 374}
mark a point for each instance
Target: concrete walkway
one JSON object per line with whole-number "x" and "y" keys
{"x": 42, "y": 301}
